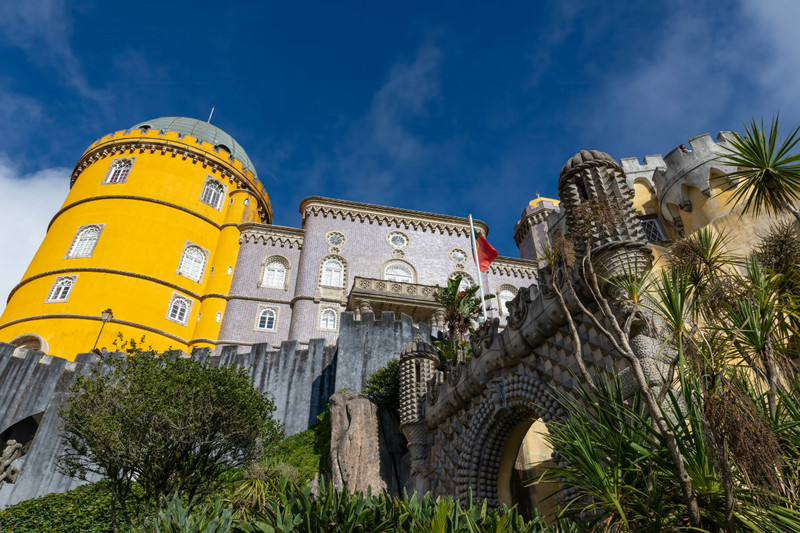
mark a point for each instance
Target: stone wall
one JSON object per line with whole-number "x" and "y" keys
{"x": 299, "y": 379}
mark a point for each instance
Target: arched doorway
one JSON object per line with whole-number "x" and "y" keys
{"x": 526, "y": 457}
{"x": 22, "y": 431}
{"x": 504, "y": 437}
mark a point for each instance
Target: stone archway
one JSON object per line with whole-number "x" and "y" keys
{"x": 500, "y": 422}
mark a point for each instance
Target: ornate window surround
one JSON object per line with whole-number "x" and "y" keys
{"x": 261, "y": 309}
{"x": 326, "y": 312}
{"x": 209, "y": 182}
{"x": 186, "y": 247}
{"x": 287, "y": 270}
{"x": 174, "y": 301}
{"x": 391, "y": 262}
{"x": 500, "y": 304}
{"x": 331, "y": 234}
{"x": 61, "y": 289}
{"x": 393, "y": 245}
{"x": 465, "y": 277}
{"x": 118, "y": 163}
{"x": 321, "y": 274}
{"x": 81, "y": 229}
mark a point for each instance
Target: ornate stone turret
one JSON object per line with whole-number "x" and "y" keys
{"x": 597, "y": 200}
{"x": 418, "y": 363}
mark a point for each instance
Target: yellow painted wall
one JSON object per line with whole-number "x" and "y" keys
{"x": 133, "y": 268}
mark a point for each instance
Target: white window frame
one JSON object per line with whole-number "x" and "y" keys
{"x": 324, "y": 315}
{"x": 326, "y": 277}
{"x": 73, "y": 252}
{"x": 187, "y": 247}
{"x": 175, "y": 300}
{"x": 111, "y": 177}
{"x": 212, "y": 181}
{"x": 264, "y": 309}
{"x": 500, "y": 303}
{"x": 271, "y": 260}
{"x": 402, "y": 264}
{"x": 57, "y": 294}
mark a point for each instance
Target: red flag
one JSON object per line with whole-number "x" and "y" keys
{"x": 486, "y": 253}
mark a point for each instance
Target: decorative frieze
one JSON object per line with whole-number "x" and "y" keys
{"x": 388, "y": 216}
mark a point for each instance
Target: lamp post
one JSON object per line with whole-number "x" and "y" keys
{"x": 106, "y": 316}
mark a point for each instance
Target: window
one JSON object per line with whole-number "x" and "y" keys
{"x": 505, "y": 295}
{"x": 333, "y": 273}
{"x": 327, "y": 319}
{"x": 653, "y": 230}
{"x": 266, "y": 319}
{"x": 397, "y": 239}
{"x": 212, "y": 193}
{"x": 61, "y": 289}
{"x": 179, "y": 309}
{"x": 398, "y": 272}
{"x": 458, "y": 256}
{"x": 119, "y": 170}
{"x": 274, "y": 275}
{"x": 466, "y": 280}
{"x": 335, "y": 238}
{"x": 192, "y": 263}
{"x": 84, "y": 242}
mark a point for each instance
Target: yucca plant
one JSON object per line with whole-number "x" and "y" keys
{"x": 768, "y": 169}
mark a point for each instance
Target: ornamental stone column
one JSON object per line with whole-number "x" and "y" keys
{"x": 418, "y": 363}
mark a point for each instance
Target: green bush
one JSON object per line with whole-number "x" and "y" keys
{"x": 86, "y": 509}
{"x": 306, "y": 451}
{"x": 383, "y": 387}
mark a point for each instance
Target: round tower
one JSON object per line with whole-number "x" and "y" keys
{"x": 149, "y": 230}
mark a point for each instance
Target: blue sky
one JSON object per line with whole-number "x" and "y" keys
{"x": 449, "y": 107}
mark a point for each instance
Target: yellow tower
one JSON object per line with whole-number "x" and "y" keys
{"x": 149, "y": 229}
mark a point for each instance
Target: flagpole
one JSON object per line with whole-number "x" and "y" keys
{"x": 477, "y": 266}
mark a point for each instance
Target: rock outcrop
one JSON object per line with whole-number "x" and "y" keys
{"x": 367, "y": 448}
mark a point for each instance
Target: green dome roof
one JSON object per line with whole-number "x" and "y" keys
{"x": 203, "y": 131}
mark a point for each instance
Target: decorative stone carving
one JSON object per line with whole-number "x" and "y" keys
{"x": 518, "y": 309}
{"x": 11, "y": 453}
{"x": 483, "y": 336}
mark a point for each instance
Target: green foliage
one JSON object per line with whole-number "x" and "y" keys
{"x": 296, "y": 510}
{"x": 172, "y": 423}
{"x": 460, "y": 308}
{"x": 307, "y": 452}
{"x": 383, "y": 386}
{"x": 176, "y": 518}
{"x": 768, "y": 170}
{"x": 622, "y": 478}
{"x": 86, "y": 509}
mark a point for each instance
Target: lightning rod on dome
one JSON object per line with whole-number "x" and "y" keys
{"x": 209, "y": 115}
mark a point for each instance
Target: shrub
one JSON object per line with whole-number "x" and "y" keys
{"x": 383, "y": 387}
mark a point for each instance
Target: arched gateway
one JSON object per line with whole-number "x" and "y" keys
{"x": 464, "y": 428}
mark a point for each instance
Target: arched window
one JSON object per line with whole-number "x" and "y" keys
{"x": 327, "y": 319}
{"x": 466, "y": 280}
{"x": 179, "y": 309}
{"x": 274, "y": 274}
{"x": 118, "y": 171}
{"x": 61, "y": 289}
{"x": 212, "y": 193}
{"x": 84, "y": 242}
{"x": 266, "y": 319}
{"x": 398, "y": 272}
{"x": 505, "y": 295}
{"x": 192, "y": 263}
{"x": 333, "y": 273}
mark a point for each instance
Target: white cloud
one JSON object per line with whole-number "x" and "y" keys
{"x": 712, "y": 66}
{"x": 27, "y": 203}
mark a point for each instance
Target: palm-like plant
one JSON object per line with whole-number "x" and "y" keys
{"x": 460, "y": 308}
{"x": 769, "y": 170}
